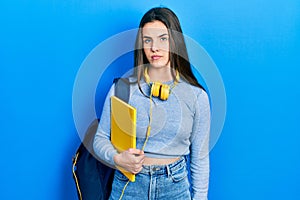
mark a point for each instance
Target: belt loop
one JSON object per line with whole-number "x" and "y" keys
{"x": 168, "y": 171}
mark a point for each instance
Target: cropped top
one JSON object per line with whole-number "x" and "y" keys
{"x": 180, "y": 126}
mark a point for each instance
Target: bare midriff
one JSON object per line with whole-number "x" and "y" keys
{"x": 159, "y": 161}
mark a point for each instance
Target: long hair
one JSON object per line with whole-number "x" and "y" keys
{"x": 177, "y": 53}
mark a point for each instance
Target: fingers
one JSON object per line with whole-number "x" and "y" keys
{"x": 137, "y": 160}
{"x": 131, "y": 160}
{"x": 136, "y": 151}
{"x": 137, "y": 170}
{"x": 138, "y": 156}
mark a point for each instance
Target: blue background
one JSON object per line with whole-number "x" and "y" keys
{"x": 255, "y": 45}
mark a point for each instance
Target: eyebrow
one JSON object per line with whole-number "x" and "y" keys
{"x": 162, "y": 35}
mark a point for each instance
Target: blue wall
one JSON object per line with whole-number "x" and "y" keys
{"x": 255, "y": 45}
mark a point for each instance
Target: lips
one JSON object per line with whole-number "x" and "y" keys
{"x": 155, "y": 57}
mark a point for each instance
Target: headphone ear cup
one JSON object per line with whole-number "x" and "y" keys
{"x": 155, "y": 89}
{"x": 164, "y": 92}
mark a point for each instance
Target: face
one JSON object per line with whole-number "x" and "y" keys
{"x": 156, "y": 44}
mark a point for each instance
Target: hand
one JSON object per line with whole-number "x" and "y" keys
{"x": 131, "y": 160}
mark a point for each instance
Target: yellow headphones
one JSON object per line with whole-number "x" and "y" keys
{"x": 158, "y": 89}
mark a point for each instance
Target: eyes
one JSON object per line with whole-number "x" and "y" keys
{"x": 150, "y": 40}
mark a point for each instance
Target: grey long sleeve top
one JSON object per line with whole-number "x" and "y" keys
{"x": 180, "y": 126}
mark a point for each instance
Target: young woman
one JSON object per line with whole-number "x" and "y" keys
{"x": 173, "y": 119}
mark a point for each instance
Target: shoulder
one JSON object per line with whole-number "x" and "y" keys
{"x": 196, "y": 97}
{"x": 195, "y": 90}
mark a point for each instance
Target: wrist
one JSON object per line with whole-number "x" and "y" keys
{"x": 116, "y": 159}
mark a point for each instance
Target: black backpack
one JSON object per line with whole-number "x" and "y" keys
{"x": 93, "y": 179}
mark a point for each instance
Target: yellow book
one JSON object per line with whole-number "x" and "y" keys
{"x": 123, "y": 128}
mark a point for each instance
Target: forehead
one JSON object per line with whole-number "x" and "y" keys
{"x": 155, "y": 28}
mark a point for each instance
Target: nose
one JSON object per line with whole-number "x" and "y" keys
{"x": 154, "y": 46}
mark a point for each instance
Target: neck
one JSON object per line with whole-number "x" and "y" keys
{"x": 160, "y": 74}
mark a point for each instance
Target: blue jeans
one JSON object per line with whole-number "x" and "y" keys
{"x": 155, "y": 182}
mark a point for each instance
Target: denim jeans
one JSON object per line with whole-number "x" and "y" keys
{"x": 155, "y": 182}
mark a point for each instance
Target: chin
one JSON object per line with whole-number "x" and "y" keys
{"x": 158, "y": 65}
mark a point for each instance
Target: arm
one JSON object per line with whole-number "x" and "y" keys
{"x": 131, "y": 160}
{"x": 200, "y": 148}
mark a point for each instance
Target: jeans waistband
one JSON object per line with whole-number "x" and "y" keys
{"x": 164, "y": 169}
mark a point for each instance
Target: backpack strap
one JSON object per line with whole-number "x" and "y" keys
{"x": 122, "y": 88}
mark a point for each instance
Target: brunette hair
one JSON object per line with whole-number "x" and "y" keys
{"x": 178, "y": 53}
